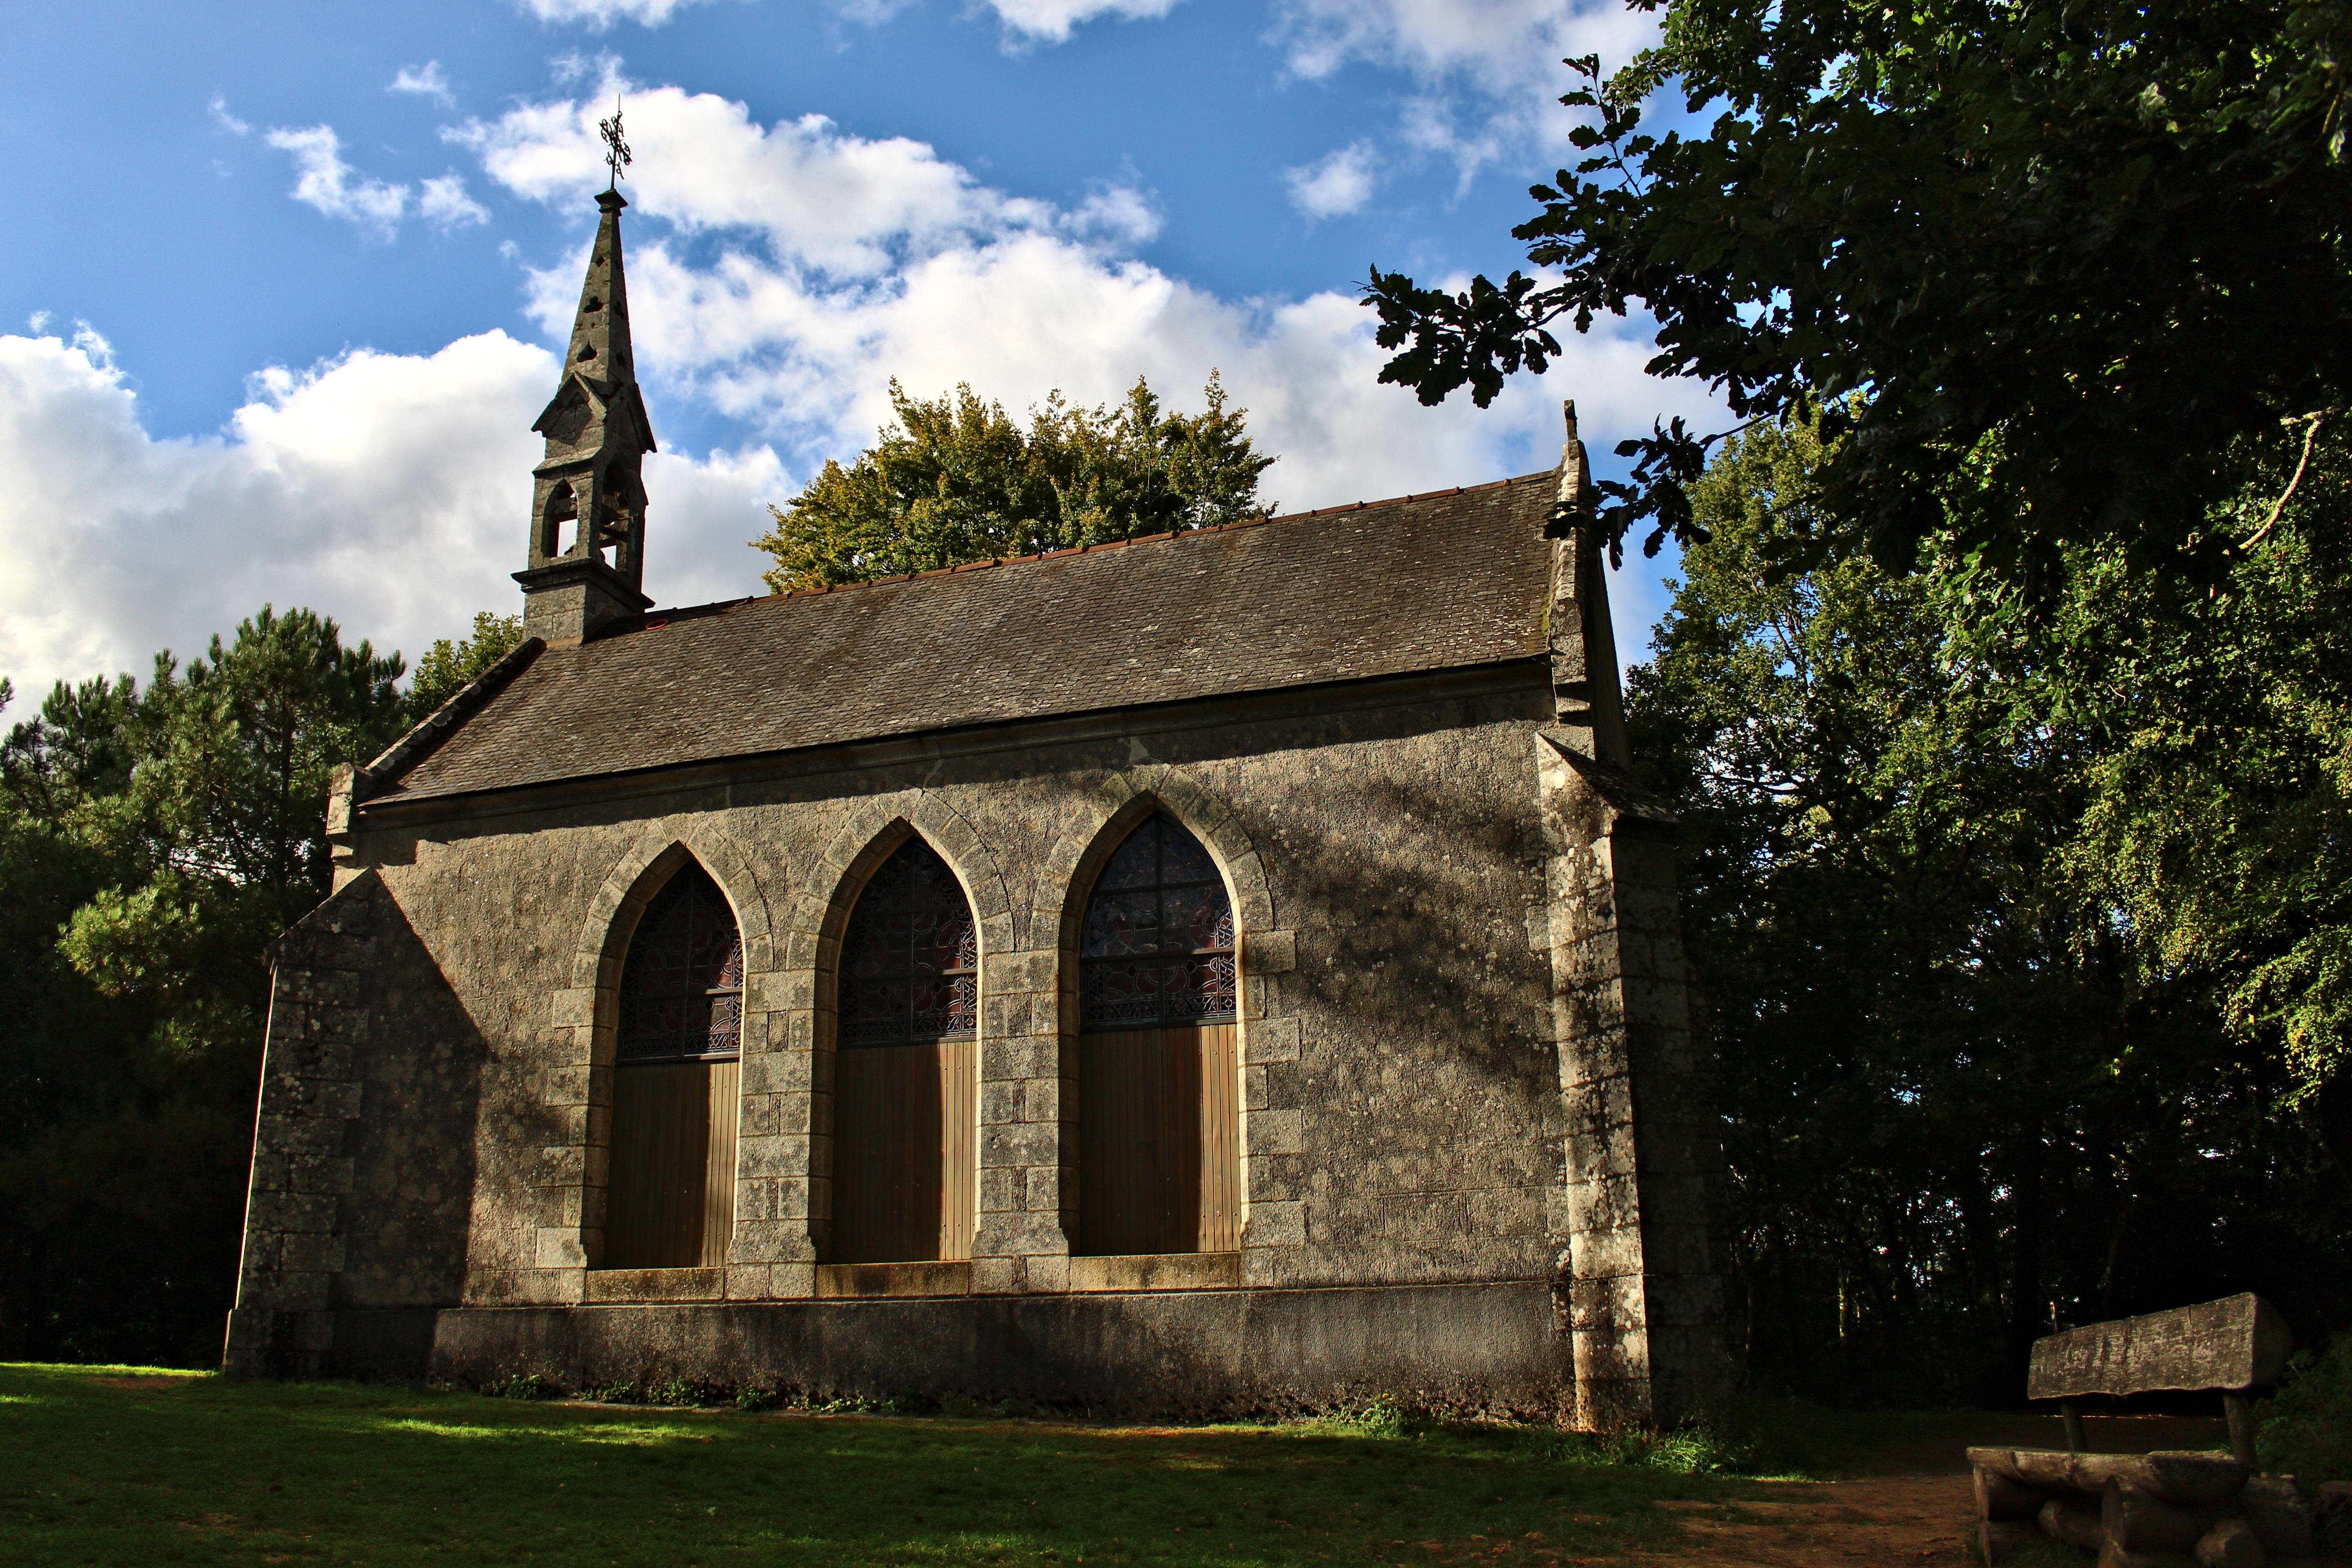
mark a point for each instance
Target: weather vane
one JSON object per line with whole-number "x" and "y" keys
{"x": 616, "y": 152}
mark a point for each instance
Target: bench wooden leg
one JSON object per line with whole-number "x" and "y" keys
{"x": 2241, "y": 1407}
{"x": 2072, "y": 1414}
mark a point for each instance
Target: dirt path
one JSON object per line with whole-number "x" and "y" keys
{"x": 1914, "y": 1505}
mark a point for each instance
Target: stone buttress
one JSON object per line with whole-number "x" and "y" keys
{"x": 1638, "y": 1295}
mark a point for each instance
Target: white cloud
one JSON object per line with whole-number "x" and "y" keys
{"x": 574, "y": 66}
{"x": 1339, "y": 182}
{"x": 390, "y": 491}
{"x": 444, "y": 201}
{"x": 601, "y": 14}
{"x": 225, "y": 119}
{"x": 1117, "y": 215}
{"x": 324, "y": 181}
{"x": 327, "y": 183}
{"x": 825, "y": 264}
{"x": 1487, "y": 72}
{"x": 1503, "y": 46}
{"x": 846, "y": 204}
{"x": 424, "y": 82}
{"x": 1052, "y": 21}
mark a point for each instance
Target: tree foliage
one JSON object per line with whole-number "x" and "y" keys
{"x": 2006, "y": 944}
{"x": 957, "y": 480}
{"x": 153, "y": 842}
{"x": 2088, "y": 259}
{"x": 448, "y": 667}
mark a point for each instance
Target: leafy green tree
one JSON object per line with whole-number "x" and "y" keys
{"x": 1969, "y": 1092}
{"x": 2089, "y": 261}
{"x": 152, "y": 843}
{"x": 2217, "y": 739}
{"x": 448, "y": 667}
{"x": 957, "y": 480}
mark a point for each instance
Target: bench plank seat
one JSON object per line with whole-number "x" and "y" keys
{"x": 2185, "y": 1479}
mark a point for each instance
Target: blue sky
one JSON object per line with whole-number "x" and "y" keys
{"x": 277, "y": 297}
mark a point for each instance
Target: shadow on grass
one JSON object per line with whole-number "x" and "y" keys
{"x": 120, "y": 1465}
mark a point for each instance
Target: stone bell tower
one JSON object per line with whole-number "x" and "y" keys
{"x": 588, "y": 508}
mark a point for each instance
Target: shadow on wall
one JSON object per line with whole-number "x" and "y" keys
{"x": 365, "y": 1165}
{"x": 428, "y": 1060}
{"x": 1463, "y": 1350}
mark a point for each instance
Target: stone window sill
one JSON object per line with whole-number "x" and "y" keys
{"x": 861, "y": 1281}
{"x": 1157, "y": 1271}
{"x": 606, "y": 1285}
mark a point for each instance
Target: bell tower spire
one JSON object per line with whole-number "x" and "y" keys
{"x": 588, "y": 507}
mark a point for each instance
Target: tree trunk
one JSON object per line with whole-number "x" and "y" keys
{"x": 2027, "y": 1309}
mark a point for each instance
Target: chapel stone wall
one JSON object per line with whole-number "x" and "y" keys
{"x": 1450, "y": 1006}
{"x": 1400, "y": 1120}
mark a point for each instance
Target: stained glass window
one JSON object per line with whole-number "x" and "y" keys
{"x": 1158, "y": 951}
{"x": 682, "y": 989}
{"x": 910, "y": 963}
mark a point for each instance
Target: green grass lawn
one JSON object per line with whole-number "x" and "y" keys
{"x": 124, "y": 1466}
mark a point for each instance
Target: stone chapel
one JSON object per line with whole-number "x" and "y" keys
{"x": 1223, "y": 971}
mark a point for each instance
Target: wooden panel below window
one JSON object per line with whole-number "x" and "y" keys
{"x": 906, "y": 1125}
{"x": 719, "y": 1166}
{"x": 670, "y": 1187}
{"x": 1159, "y": 1142}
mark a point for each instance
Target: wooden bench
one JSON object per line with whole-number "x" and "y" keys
{"x": 2150, "y": 1510}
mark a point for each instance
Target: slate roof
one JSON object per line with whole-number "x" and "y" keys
{"x": 1422, "y": 583}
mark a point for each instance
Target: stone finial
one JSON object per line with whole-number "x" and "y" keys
{"x": 1575, "y": 471}
{"x": 1587, "y": 699}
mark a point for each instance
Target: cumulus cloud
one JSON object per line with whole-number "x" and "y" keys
{"x": 225, "y": 119}
{"x": 424, "y": 82}
{"x": 1487, "y": 72}
{"x": 1339, "y": 182}
{"x": 824, "y": 264}
{"x": 390, "y": 491}
{"x": 844, "y": 204}
{"x": 376, "y": 206}
{"x": 1052, "y": 21}
{"x": 444, "y": 201}
{"x": 1121, "y": 215}
{"x": 1503, "y": 46}
{"x": 780, "y": 275}
{"x": 324, "y": 181}
{"x": 601, "y": 14}
{"x": 1026, "y": 21}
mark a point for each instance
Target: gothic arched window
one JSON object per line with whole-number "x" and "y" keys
{"x": 1159, "y": 944}
{"x": 911, "y": 964}
{"x": 682, "y": 991}
{"x": 670, "y": 1191}
{"x": 907, "y": 1070}
{"x": 1159, "y": 1077}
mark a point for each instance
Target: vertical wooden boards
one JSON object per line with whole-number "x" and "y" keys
{"x": 1220, "y": 1137}
{"x": 659, "y": 1170}
{"x": 1159, "y": 1134}
{"x": 905, "y": 1155}
{"x": 958, "y": 1147}
{"x": 719, "y": 1165}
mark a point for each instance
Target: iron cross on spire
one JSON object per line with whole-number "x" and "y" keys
{"x": 616, "y": 152}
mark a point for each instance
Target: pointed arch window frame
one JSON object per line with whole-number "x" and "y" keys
{"x": 942, "y": 926}
{"x": 707, "y": 990}
{"x": 1188, "y": 945}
